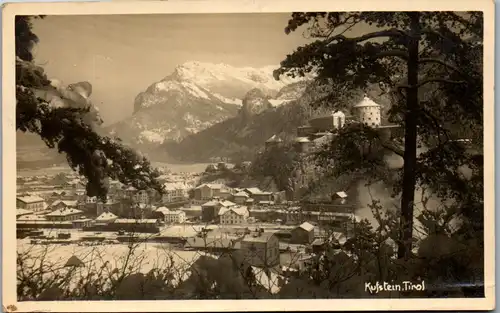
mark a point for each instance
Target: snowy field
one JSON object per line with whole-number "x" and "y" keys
{"x": 143, "y": 258}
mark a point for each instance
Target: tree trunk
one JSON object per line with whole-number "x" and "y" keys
{"x": 410, "y": 153}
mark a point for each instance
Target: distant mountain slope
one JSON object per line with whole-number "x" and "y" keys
{"x": 241, "y": 137}
{"x": 194, "y": 97}
{"x": 169, "y": 110}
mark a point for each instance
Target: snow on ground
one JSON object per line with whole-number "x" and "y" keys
{"x": 195, "y": 90}
{"x": 145, "y": 257}
{"x": 228, "y": 100}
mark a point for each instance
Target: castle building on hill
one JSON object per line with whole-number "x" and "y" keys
{"x": 368, "y": 112}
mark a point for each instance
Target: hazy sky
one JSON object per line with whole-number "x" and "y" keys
{"x": 121, "y": 55}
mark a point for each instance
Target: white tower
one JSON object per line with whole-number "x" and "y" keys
{"x": 338, "y": 119}
{"x": 368, "y": 112}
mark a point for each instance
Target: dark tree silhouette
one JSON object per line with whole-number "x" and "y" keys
{"x": 65, "y": 119}
{"x": 431, "y": 63}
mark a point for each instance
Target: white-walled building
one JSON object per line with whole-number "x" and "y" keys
{"x": 368, "y": 112}
{"x": 175, "y": 217}
{"x": 32, "y": 203}
{"x": 233, "y": 215}
{"x": 172, "y": 216}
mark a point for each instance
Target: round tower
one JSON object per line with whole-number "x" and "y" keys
{"x": 368, "y": 112}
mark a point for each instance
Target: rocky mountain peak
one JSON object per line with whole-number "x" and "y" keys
{"x": 255, "y": 102}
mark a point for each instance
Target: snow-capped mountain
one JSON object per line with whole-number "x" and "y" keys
{"x": 196, "y": 96}
{"x": 171, "y": 109}
{"x": 229, "y": 81}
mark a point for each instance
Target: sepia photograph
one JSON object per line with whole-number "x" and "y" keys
{"x": 188, "y": 152}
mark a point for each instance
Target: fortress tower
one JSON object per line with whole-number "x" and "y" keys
{"x": 368, "y": 112}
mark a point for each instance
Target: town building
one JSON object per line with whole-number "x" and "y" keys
{"x": 175, "y": 217}
{"x": 106, "y": 218}
{"x": 83, "y": 222}
{"x": 261, "y": 249}
{"x": 32, "y": 203}
{"x": 65, "y": 214}
{"x": 240, "y": 197}
{"x": 303, "y": 234}
{"x": 327, "y": 123}
{"x": 340, "y": 197}
{"x": 233, "y": 215}
{"x": 174, "y": 192}
{"x": 210, "y": 209}
{"x": 171, "y": 216}
{"x": 61, "y": 204}
{"x": 207, "y": 192}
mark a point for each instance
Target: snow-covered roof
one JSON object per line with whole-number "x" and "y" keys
{"x": 241, "y": 194}
{"x": 254, "y": 190}
{"x": 176, "y": 212}
{"x": 64, "y": 212}
{"x": 106, "y": 216}
{"x": 227, "y": 203}
{"x": 366, "y": 102}
{"x": 263, "y": 237}
{"x": 274, "y": 138}
{"x": 210, "y": 203}
{"x": 341, "y": 194}
{"x": 163, "y": 210}
{"x": 224, "y": 203}
{"x": 307, "y": 226}
{"x": 302, "y": 139}
{"x": 30, "y": 199}
{"x": 269, "y": 280}
{"x": 32, "y": 218}
{"x": 20, "y": 212}
{"x": 239, "y": 210}
{"x": 211, "y": 186}
{"x": 70, "y": 203}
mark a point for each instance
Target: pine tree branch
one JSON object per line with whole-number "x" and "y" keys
{"x": 391, "y": 147}
{"x": 432, "y": 80}
{"x": 441, "y": 62}
{"x": 380, "y": 34}
{"x": 393, "y": 53}
{"x": 429, "y": 31}
{"x": 439, "y": 80}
